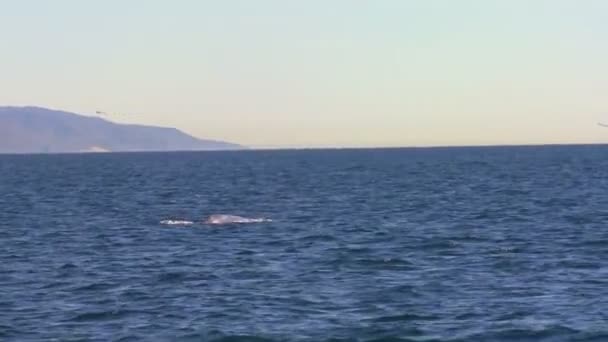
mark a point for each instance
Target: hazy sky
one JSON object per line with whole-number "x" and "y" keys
{"x": 319, "y": 72}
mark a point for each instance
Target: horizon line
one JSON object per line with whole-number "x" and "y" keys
{"x": 253, "y": 149}
{"x": 244, "y": 146}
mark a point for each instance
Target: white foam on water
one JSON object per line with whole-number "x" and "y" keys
{"x": 176, "y": 222}
{"x": 218, "y": 219}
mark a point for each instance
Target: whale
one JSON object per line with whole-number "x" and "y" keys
{"x": 232, "y": 219}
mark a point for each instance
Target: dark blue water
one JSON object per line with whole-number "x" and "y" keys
{"x": 469, "y": 244}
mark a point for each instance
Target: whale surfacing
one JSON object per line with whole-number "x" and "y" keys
{"x": 231, "y": 219}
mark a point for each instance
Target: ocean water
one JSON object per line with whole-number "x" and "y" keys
{"x": 445, "y": 244}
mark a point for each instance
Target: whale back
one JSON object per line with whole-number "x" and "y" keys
{"x": 228, "y": 219}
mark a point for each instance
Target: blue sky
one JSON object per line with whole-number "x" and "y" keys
{"x": 273, "y": 73}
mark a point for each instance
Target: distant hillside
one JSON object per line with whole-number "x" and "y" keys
{"x": 40, "y": 130}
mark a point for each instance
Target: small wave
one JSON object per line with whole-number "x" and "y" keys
{"x": 67, "y": 266}
{"x": 172, "y": 276}
{"x": 228, "y": 338}
{"x": 176, "y": 222}
{"x": 405, "y": 318}
{"x": 100, "y": 286}
{"x": 100, "y": 315}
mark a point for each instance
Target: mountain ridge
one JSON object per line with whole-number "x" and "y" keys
{"x": 32, "y": 129}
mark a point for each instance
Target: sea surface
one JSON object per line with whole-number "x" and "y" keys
{"x": 441, "y": 244}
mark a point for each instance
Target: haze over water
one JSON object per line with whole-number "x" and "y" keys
{"x": 457, "y": 244}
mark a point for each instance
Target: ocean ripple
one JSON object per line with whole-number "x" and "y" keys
{"x": 450, "y": 245}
